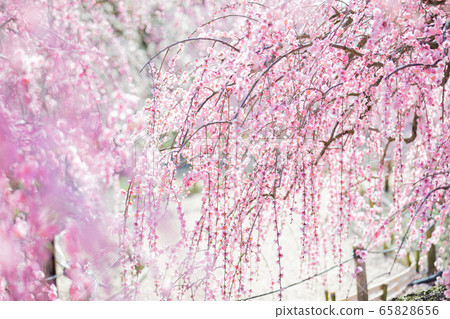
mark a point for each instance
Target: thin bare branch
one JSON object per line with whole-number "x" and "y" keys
{"x": 412, "y": 65}
{"x": 188, "y": 40}
{"x": 445, "y": 187}
{"x": 331, "y": 140}
{"x": 281, "y": 57}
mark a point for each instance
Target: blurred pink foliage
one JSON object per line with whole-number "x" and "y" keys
{"x": 56, "y": 144}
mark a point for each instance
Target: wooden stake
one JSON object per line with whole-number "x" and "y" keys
{"x": 417, "y": 260}
{"x": 431, "y": 255}
{"x": 408, "y": 259}
{"x": 361, "y": 277}
{"x": 384, "y": 295}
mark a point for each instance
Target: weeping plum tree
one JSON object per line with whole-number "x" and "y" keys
{"x": 285, "y": 100}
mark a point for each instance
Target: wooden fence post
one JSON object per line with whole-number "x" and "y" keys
{"x": 385, "y": 248}
{"x": 408, "y": 259}
{"x": 431, "y": 255}
{"x": 361, "y": 277}
{"x": 385, "y": 291}
{"x": 417, "y": 261}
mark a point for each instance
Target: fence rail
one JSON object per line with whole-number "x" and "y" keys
{"x": 395, "y": 286}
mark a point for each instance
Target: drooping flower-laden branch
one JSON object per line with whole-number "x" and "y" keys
{"x": 348, "y": 98}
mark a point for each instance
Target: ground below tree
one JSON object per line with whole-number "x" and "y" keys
{"x": 434, "y": 293}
